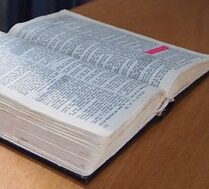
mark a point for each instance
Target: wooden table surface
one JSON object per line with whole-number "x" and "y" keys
{"x": 171, "y": 154}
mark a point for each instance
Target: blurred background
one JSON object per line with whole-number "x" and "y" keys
{"x": 14, "y": 11}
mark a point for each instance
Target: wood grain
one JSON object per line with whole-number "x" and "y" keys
{"x": 173, "y": 153}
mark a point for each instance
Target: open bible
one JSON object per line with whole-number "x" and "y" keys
{"x": 74, "y": 90}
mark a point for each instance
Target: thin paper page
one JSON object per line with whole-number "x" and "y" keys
{"x": 119, "y": 51}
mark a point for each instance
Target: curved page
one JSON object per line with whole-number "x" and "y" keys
{"x": 57, "y": 88}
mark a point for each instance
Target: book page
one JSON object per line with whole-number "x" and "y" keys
{"x": 48, "y": 83}
{"x": 120, "y": 51}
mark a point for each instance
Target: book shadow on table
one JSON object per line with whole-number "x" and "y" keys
{"x": 85, "y": 180}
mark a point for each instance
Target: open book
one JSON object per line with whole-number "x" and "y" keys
{"x": 74, "y": 90}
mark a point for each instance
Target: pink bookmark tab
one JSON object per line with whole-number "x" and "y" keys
{"x": 157, "y": 50}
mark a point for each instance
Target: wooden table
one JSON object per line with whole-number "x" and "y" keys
{"x": 171, "y": 154}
